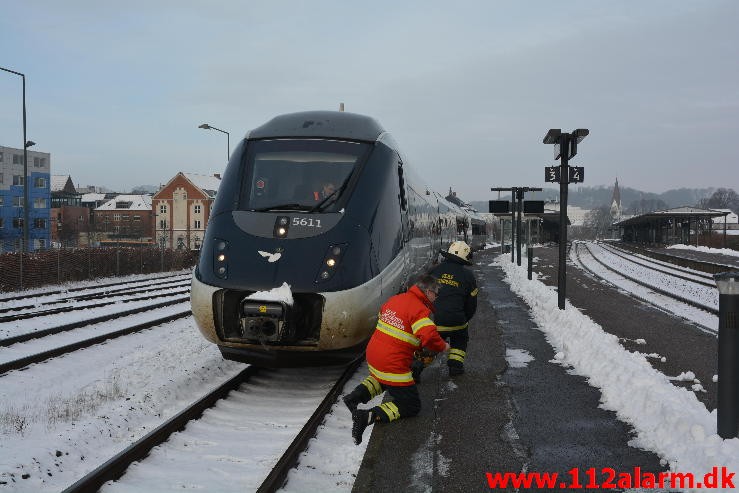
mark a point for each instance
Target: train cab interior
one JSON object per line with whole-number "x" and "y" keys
{"x": 297, "y": 175}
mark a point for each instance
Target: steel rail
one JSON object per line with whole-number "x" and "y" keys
{"x": 66, "y": 309}
{"x": 673, "y": 274}
{"x": 688, "y": 301}
{"x": 147, "y": 288}
{"x": 663, "y": 263}
{"x": 276, "y": 478}
{"x": 708, "y": 267}
{"x": 72, "y": 290}
{"x": 116, "y": 466}
{"x": 17, "y": 364}
{"x": 9, "y": 341}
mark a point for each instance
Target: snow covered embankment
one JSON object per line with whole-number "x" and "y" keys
{"x": 668, "y": 420}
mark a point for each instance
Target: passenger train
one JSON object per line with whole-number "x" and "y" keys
{"x": 342, "y": 254}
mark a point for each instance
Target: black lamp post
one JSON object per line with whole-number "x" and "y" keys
{"x": 228, "y": 138}
{"x": 727, "y": 409}
{"x": 565, "y": 148}
{"x": 26, "y": 145}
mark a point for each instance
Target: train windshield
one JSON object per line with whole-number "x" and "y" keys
{"x": 290, "y": 174}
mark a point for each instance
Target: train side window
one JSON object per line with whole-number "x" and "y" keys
{"x": 401, "y": 183}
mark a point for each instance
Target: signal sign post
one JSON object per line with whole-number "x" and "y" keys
{"x": 516, "y": 195}
{"x": 565, "y": 148}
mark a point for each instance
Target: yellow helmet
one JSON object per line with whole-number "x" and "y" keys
{"x": 460, "y": 249}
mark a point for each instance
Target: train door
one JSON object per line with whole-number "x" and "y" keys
{"x": 406, "y": 226}
{"x": 436, "y": 227}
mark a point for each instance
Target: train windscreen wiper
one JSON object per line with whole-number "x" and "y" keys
{"x": 331, "y": 198}
{"x": 284, "y": 207}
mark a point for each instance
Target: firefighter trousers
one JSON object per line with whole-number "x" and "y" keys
{"x": 458, "y": 340}
{"x": 405, "y": 400}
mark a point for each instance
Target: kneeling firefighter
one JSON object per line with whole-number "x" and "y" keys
{"x": 457, "y": 302}
{"x": 403, "y": 327}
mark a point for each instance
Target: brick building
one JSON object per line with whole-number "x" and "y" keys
{"x": 124, "y": 218}
{"x": 69, "y": 220}
{"x": 181, "y": 210}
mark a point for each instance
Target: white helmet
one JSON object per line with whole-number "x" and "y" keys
{"x": 460, "y": 249}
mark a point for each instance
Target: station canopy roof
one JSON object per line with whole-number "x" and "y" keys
{"x": 548, "y": 216}
{"x": 677, "y": 212}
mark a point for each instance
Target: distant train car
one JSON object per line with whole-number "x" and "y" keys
{"x": 481, "y": 229}
{"x": 342, "y": 251}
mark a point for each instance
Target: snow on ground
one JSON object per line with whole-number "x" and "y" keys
{"x": 331, "y": 462}
{"x": 722, "y": 251}
{"x": 35, "y": 346}
{"x": 518, "y": 358}
{"x": 708, "y": 321}
{"x": 34, "y": 324}
{"x": 96, "y": 283}
{"x": 703, "y": 294}
{"x": 668, "y": 420}
{"x": 86, "y": 406}
{"x": 658, "y": 264}
{"x": 235, "y": 444}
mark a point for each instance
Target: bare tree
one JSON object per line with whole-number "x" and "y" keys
{"x": 644, "y": 206}
{"x": 723, "y": 198}
{"x": 597, "y": 222}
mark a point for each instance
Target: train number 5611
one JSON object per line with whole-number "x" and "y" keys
{"x": 310, "y": 223}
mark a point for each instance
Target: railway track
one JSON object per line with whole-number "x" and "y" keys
{"x": 40, "y": 294}
{"x": 108, "y": 293}
{"x": 580, "y": 248}
{"x": 686, "y": 286}
{"x": 43, "y": 355}
{"x": 681, "y": 261}
{"x": 241, "y": 403}
{"x": 680, "y": 273}
{"x": 36, "y": 334}
{"x": 66, "y": 309}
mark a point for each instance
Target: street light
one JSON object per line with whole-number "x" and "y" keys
{"x": 228, "y": 138}
{"x": 26, "y": 145}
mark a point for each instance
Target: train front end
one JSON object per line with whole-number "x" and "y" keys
{"x": 286, "y": 275}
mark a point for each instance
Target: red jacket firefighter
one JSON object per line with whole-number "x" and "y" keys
{"x": 403, "y": 327}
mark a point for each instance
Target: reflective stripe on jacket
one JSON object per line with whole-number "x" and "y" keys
{"x": 403, "y": 326}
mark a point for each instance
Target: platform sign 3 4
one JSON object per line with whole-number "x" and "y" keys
{"x": 553, "y": 174}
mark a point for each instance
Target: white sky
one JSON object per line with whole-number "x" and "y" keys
{"x": 115, "y": 92}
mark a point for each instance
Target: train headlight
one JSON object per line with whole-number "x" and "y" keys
{"x": 220, "y": 266}
{"x": 282, "y": 224}
{"x": 331, "y": 262}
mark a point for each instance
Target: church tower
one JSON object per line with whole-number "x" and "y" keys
{"x": 616, "y": 203}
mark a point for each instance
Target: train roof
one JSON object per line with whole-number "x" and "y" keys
{"x": 326, "y": 124}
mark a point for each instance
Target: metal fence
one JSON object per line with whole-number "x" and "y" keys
{"x": 20, "y": 271}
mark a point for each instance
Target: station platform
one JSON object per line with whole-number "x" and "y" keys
{"x": 715, "y": 256}
{"x": 495, "y": 418}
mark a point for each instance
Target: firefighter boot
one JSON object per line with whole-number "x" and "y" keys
{"x": 352, "y": 400}
{"x": 361, "y": 418}
{"x": 455, "y": 368}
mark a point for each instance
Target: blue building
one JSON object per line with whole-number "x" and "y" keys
{"x": 12, "y": 199}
